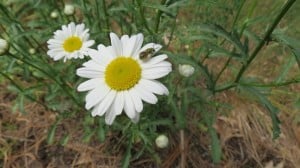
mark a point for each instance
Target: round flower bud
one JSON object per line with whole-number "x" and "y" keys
{"x": 4, "y": 46}
{"x": 186, "y": 70}
{"x": 162, "y": 141}
{"x": 69, "y": 9}
{"x": 54, "y": 14}
{"x": 32, "y": 51}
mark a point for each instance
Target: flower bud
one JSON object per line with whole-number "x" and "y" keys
{"x": 162, "y": 141}
{"x": 4, "y": 46}
{"x": 54, "y": 14}
{"x": 32, "y": 51}
{"x": 186, "y": 70}
{"x": 69, "y": 9}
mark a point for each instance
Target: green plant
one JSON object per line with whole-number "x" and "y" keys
{"x": 231, "y": 36}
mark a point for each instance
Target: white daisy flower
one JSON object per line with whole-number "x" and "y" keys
{"x": 70, "y": 42}
{"x": 119, "y": 79}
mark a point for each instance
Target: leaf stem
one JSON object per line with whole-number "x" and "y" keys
{"x": 158, "y": 16}
{"x": 141, "y": 10}
{"x": 105, "y": 15}
{"x": 266, "y": 37}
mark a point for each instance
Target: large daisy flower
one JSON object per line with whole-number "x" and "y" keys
{"x": 119, "y": 79}
{"x": 70, "y": 42}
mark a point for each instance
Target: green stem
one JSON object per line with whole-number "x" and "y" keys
{"x": 222, "y": 70}
{"x": 98, "y": 13}
{"x": 158, "y": 16}
{"x": 238, "y": 14}
{"x": 172, "y": 32}
{"x": 86, "y": 12}
{"x": 230, "y": 58}
{"x": 141, "y": 10}
{"x": 265, "y": 39}
{"x": 293, "y": 81}
{"x": 105, "y": 15}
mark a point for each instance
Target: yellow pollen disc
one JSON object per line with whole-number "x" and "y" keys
{"x": 122, "y": 73}
{"x": 72, "y": 43}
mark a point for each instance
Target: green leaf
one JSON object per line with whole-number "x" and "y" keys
{"x": 221, "y": 32}
{"x": 296, "y": 53}
{"x": 217, "y": 50}
{"x": 162, "y": 8}
{"x": 101, "y": 130}
{"x": 51, "y": 133}
{"x": 127, "y": 156}
{"x": 285, "y": 69}
{"x": 273, "y": 111}
{"x": 21, "y": 104}
{"x": 282, "y": 38}
{"x": 65, "y": 140}
{"x": 216, "y": 149}
{"x": 252, "y": 36}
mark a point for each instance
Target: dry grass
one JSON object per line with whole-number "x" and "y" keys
{"x": 244, "y": 130}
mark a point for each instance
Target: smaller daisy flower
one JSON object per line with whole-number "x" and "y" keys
{"x": 119, "y": 79}
{"x": 70, "y": 42}
{"x": 4, "y": 46}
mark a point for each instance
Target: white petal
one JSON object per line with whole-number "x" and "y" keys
{"x": 106, "y": 103}
{"x": 156, "y": 59}
{"x": 105, "y": 52}
{"x": 119, "y": 103}
{"x": 89, "y": 73}
{"x": 110, "y": 116}
{"x": 96, "y": 95}
{"x": 127, "y": 45}
{"x": 158, "y": 65}
{"x": 156, "y": 47}
{"x": 155, "y": 73}
{"x": 95, "y": 55}
{"x": 115, "y": 109}
{"x": 154, "y": 86}
{"x": 111, "y": 52}
{"x": 136, "y": 118}
{"x": 58, "y": 56}
{"x": 88, "y": 43}
{"x": 90, "y": 84}
{"x": 93, "y": 65}
{"x": 72, "y": 28}
{"x": 137, "y": 101}
{"x": 116, "y": 44}
{"x": 129, "y": 106}
{"x": 138, "y": 44}
{"x": 145, "y": 95}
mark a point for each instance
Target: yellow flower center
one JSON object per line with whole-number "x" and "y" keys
{"x": 72, "y": 43}
{"x": 122, "y": 73}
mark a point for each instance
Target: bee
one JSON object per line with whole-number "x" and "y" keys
{"x": 147, "y": 54}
